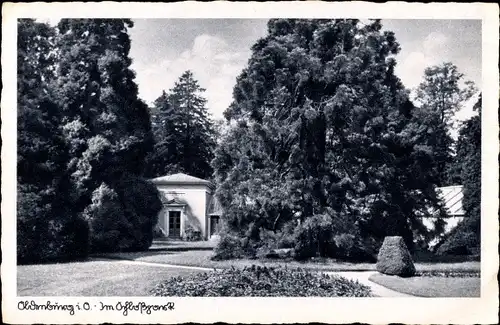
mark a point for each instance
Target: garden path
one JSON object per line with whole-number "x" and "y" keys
{"x": 360, "y": 276}
{"x": 165, "y": 265}
{"x": 377, "y": 290}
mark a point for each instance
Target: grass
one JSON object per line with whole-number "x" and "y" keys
{"x": 109, "y": 277}
{"x": 92, "y": 278}
{"x": 179, "y": 245}
{"x": 431, "y": 286}
{"x": 201, "y": 258}
{"x": 469, "y": 266}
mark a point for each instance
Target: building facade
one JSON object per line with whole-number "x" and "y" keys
{"x": 189, "y": 207}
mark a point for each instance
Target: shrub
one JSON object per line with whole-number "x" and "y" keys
{"x": 320, "y": 235}
{"x": 286, "y": 237}
{"x": 449, "y": 274}
{"x": 314, "y": 237}
{"x": 75, "y": 236}
{"x": 142, "y": 204}
{"x": 158, "y": 232}
{"x": 394, "y": 258}
{"x": 353, "y": 248}
{"x": 55, "y": 240}
{"x": 228, "y": 247}
{"x": 459, "y": 243}
{"x": 192, "y": 234}
{"x": 462, "y": 240}
{"x": 257, "y": 281}
{"x": 268, "y": 238}
{"x": 123, "y": 218}
{"x": 44, "y": 234}
{"x": 106, "y": 219}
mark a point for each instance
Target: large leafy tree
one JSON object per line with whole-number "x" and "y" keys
{"x": 321, "y": 125}
{"x": 184, "y": 131}
{"x": 47, "y": 228}
{"x": 466, "y": 237}
{"x": 84, "y": 135}
{"x": 100, "y": 100}
{"x": 469, "y": 154}
{"x": 439, "y": 96}
{"x": 108, "y": 130}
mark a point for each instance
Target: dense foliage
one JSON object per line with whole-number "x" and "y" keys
{"x": 257, "y": 281}
{"x": 184, "y": 131}
{"x": 83, "y": 136}
{"x": 322, "y": 151}
{"x": 465, "y": 239}
{"x": 440, "y": 95}
{"x": 123, "y": 219}
{"x": 320, "y": 127}
{"x": 449, "y": 274}
{"x": 47, "y": 228}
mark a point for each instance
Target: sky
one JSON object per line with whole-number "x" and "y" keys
{"x": 216, "y": 51}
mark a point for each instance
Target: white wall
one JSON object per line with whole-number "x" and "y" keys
{"x": 195, "y": 197}
{"x": 450, "y": 222}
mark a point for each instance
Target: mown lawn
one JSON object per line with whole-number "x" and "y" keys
{"x": 423, "y": 286}
{"x": 201, "y": 258}
{"x": 92, "y": 278}
{"x": 181, "y": 245}
{"x": 116, "y": 276}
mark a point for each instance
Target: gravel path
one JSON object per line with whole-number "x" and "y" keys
{"x": 362, "y": 277}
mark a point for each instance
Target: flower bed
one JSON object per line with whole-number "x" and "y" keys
{"x": 449, "y": 274}
{"x": 257, "y": 281}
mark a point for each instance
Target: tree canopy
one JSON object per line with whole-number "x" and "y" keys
{"x": 184, "y": 131}
{"x": 441, "y": 94}
{"x": 82, "y": 129}
{"x": 320, "y": 125}
{"x": 466, "y": 237}
{"x": 322, "y": 150}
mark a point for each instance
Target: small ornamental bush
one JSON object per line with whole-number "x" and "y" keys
{"x": 123, "y": 217}
{"x": 257, "y": 281}
{"x": 464, "y": 239}
{"x": 320, "y": 236}
{"x": 352, "y": 248}
{"x": 449, "y": 274}
{"x": 228, "y": 247}
{"x": 460, "y": 243}
{"x": 192, "y": 234}
{"x": 44, "y": 233}
{"x": 314, "y": 237}
{"x": 394, "y": 258}
{"x": 158, "y": 232}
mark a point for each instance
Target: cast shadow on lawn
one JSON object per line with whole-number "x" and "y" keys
{"x": 427, "y": 257}
{"x": 135, "y": 255}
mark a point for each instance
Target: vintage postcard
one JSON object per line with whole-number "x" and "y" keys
{"x": 281, "y": 162}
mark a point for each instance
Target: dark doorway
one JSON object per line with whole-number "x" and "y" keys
{"x": 174, "y": 224}
{"x": 214, "y": 225}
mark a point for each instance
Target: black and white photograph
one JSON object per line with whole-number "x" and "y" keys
{"x": 161, "y": 158}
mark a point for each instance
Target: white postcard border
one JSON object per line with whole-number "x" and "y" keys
{"x": 263, "y": 310}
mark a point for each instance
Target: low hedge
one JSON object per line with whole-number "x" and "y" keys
{"x": 228, "y": 247}
{"x": 257, "y": 281}
{"x": 449, "y": 274}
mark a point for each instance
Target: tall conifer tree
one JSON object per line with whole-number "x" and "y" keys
{"x": 320, "y": 125}
{"x": 108, "y": 130}
{"x": 184, "y": 130}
